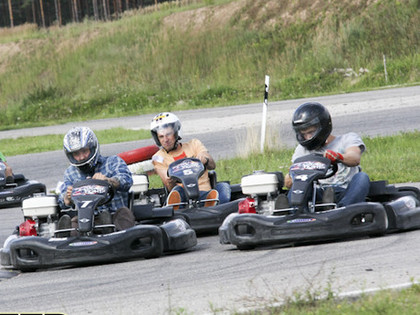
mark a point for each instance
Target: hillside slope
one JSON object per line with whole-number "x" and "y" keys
{"x": 206, "y": 53}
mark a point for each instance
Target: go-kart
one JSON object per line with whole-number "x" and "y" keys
{"x": 261, "y": 221}
{"x": 186, "y": 171}
{"x": 38, "y": 243}
{"x": 12, "y": 194}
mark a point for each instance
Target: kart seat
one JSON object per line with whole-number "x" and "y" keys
{"x": 213, "y": 178}
{"x": 280, "y": 178}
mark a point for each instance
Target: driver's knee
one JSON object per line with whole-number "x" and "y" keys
{"x": 357, "y": 190}
{"x": 361, "y": 180}
{"x": 224, "y": 191}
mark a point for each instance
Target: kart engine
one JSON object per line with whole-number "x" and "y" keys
{"x": 263, "y": 190}
{"x": 41, "y": 215}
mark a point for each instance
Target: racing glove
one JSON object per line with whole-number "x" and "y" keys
{"x": 333, "y": 156}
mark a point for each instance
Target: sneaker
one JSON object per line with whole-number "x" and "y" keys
{"x": 281, "y": 202}
{"x": 64, "y": 223}
{"x": 10, "y": 179}
{"x": 328, "y": 195}
{"x": 213, "y": 197}
{"x": 174, "y": 198}
{"x": 124, "y": 219}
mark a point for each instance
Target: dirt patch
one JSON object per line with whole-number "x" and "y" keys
{"x": 8, "y": 51}
{"x": 261, "y": 13}
{"x": 72, "y": 43}
{"x": 213, "y": 16}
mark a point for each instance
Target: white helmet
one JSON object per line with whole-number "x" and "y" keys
{"x": 78, "y": 138}
{"x": 163, "y": 121}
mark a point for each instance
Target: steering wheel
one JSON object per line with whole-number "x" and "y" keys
{"x": 107, "y": 190}
{"x": 332, "y": 169}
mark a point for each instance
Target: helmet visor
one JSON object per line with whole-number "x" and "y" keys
{"x": 307, "y": 134}
{"x": 82, "y": 156}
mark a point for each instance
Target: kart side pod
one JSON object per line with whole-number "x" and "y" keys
{"x": 262, "y": 183}
{"x": 403, "y": 213}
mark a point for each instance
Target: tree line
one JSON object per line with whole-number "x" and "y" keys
{"x": 59, "y": 12}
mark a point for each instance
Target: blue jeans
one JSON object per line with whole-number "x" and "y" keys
{"x": 222, "y": 188}
{"x": 356, "y": 191}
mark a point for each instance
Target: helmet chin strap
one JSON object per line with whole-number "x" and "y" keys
{"x": 87, "y": 169}
{"x": 173, "y": 148}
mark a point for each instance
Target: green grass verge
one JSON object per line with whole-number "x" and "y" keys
{"x": 391, "y": 158}
{"x": 36, "y": 144}
{"x": 385, "y": 302}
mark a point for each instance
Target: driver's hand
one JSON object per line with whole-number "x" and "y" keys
{"x": 172, "y": 181}
{"x": 99, "y": 176}
{"x": 203, "y": 158}
{"x": 333, "y": 156}
{"x": 67, "y": 196}
{"x": 112, "y": 181}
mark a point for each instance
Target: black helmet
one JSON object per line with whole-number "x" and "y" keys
{"x": 78, "y": 138}
{"x": 308, "y": 115}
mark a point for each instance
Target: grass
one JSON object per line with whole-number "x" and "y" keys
{"x": 393, "y": 158}
{"x": 36, "y": 144}
{"x": 173, "y": 59}
{"x": 405, "y": 301}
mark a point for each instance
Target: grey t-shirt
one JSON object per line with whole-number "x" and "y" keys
{"x": 339, "y": 144}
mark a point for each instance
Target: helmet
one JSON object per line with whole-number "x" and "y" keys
{"x": 162, "y": 121}
{"x": 308, "y": 115}
{"x": 78, "y": 138}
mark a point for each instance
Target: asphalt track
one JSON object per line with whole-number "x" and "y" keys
{"x": 214, "y": 278}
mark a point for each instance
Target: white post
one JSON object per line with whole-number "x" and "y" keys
{"x": 386, "y": 74}
{"x": 264, "y": 114}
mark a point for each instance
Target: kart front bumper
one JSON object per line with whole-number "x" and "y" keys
{"x": 250, "y": 230}
{"x": 141, "y": 241}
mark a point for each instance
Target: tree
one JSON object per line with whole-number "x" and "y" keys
{"x": 105, "y": 10}
{"x": 11, "y": 13}
{"x": 74, "y": 11}
{"x": 41, "y": 6}
{"x": 95, "y": 10}
{"x": 58, "y": 12}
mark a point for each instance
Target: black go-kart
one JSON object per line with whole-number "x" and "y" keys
{"x": 38, "y": 243}
{"x": 204, "y": 220}
{"x": 263, "y": 218}
{"x": 12, "y": 194}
